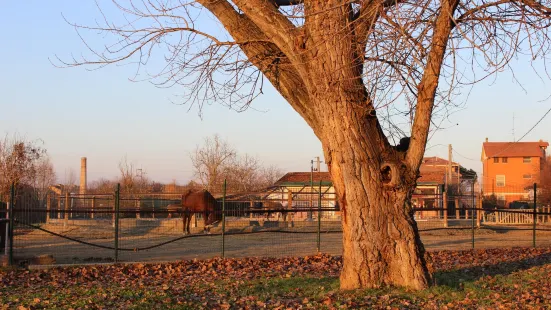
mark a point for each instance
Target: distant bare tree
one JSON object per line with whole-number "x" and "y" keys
{"x": 132, "y": 180}
{"x": 217, "y": 160}
{"x": 19, "y": 162}
{"x": 210, "y": 160}
{"x": 544, "y": 186}
{"x": 156, "y": 187}
{"x": 45, "y": 177}
{"x": 269, "y": 175}
{"x": 102, "y": 186}
{"x": 70, "y": 180}
{"x": 246, "y": 173}
{"x": 243, "y": 174}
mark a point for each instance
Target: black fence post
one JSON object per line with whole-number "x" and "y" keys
{"x": 319, "y": 218}
{"x": 10, "y": 215}
{"x": 117, "y": 200}
{"x": 472, "y": 214}
{"x": 535, "y": 217}
{"x": 224, "y": 219}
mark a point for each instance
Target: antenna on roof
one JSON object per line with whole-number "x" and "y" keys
{"x": 513, "y": 126}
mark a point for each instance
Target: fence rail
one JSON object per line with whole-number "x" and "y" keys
{"x": 116, "y": 227}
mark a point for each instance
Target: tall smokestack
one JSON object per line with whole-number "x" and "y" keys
{"x": 83, "y": 184}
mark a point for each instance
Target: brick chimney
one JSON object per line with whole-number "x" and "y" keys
{"x": 83, "y": 184}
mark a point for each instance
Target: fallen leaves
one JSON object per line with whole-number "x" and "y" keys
{"x": 496, "y": 278}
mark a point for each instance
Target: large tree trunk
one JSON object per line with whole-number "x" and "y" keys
{"x": 380, "y": 239}
{"x": 381, "y": 243}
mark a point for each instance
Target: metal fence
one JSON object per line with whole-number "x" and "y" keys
{"x": 66, "y": 229}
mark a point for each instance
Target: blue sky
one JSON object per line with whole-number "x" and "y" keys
{"x": 104, "y": 116}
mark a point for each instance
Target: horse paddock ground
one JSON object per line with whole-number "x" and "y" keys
{"x": 244, "y": 238}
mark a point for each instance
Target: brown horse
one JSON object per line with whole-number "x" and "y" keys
{"x": 271, "y": 207}
{"x": 195, "y": 202}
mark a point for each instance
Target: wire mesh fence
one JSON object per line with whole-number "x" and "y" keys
{"x": 67, "y": 228}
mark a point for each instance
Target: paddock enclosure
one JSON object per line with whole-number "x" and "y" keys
{"x": 108, "y": 227}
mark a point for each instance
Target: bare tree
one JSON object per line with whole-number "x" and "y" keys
{"x": 217, "y": 160}
{"x": 544, "y": 186}
{"x": 19, "y": 162}
{"x": 44, "y": 178}
{"x": 269, "y": 175}
{"x": 70, "y": 180}
{"x": 210, "y": 160}
{"x": 361, "y": 73}
{"x": 132, "y": 180}
{"x": 243, "y": 173}
{"x": 102, "y": 186}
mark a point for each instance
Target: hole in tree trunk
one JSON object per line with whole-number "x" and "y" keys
{"x": 386, "y": 172}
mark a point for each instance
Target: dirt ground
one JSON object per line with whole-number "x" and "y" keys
{"x": 244, "y": 238}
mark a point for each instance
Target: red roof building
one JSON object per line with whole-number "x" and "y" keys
{"x": 511, "y": 168}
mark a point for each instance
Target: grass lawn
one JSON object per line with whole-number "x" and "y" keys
{"x": 482, "y": 279}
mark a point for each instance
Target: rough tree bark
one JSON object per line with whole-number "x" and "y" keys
{"x": 381, "y": 244}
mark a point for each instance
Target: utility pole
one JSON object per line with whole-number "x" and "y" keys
{"x": 513, "y": 127}
{"x": 318, "y": 162}
{"x": 140, "y": 173}
{"x": 450, "y": 164}
{"x": 311, "y": 189}
{"x": 449, "y": 180}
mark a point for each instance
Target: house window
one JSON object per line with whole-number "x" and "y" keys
{"x": 500, "y": 180}
{"x": 526, "y": 176}
{"x": 496, "y": 160}
{"x": 527, "y": 159}
{"x": 504, "y": 160}
{"x": 501, "y": 199}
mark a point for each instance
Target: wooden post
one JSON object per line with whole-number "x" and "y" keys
{"x": 114, "y": 211}
{"x": 251, "y": 206}
{"x": 290, "y": 203}
{"x": 478, "y": 210}
{"x": 445, "y": 208}
{"x": 457, "y": 215}
{"x": 93, "y": 206}
{"x": 48, "y": 206}
{"x": 138, "y": 208}
{"x": 66, "y": 217}
{"x": 59, "y": 207}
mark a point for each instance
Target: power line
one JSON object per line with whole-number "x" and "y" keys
{"x": 530, "y": 130}
{"x": 430, "y": 147}
{"x": 468, "y": 158}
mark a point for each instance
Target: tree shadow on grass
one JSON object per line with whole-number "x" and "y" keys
{"x": 455, "y": 278}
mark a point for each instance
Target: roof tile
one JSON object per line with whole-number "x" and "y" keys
{"x": 514, "y": 149}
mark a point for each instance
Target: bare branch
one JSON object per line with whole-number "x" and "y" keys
{"x": 429, "y": 83}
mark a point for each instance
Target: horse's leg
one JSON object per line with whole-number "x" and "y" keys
{"x": 208, "y": 217}
{"x": 184, "y": 222}
{"x": 188, "y": 223}
{"x": 184, "y": 215}
{"x": 205, "y": 221}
